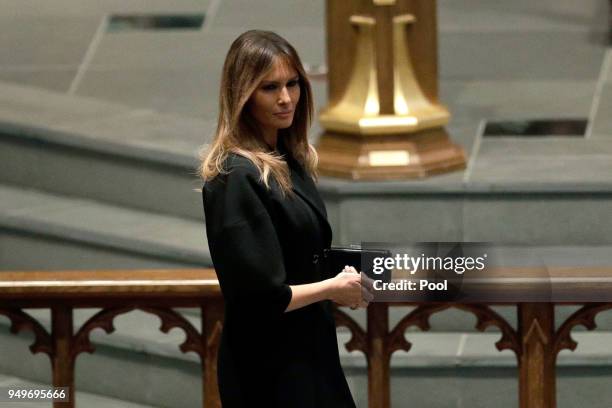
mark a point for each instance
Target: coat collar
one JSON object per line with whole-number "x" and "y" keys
{"x": 304, "y": 186}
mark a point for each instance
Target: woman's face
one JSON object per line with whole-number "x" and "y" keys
{"x": 274, "y": 101}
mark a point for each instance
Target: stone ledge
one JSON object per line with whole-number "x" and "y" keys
{"x": 104, "y": 225}
{"x": 147, "y": 135}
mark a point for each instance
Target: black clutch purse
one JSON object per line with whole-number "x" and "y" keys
{"x": 362, "y": 259}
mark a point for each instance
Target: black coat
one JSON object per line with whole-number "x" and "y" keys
{"x": 261, "y": 243}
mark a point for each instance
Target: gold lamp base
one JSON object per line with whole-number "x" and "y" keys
{"x": 384, "y": 120}
{"x": 386, "y": 157}
{"x": 346, "y": 120}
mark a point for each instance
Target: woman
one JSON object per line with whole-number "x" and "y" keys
{"x": 267, "y": 229}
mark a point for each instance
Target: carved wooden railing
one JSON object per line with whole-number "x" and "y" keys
{"x": 116, "y": 292}
{"x": 535, "y": 341}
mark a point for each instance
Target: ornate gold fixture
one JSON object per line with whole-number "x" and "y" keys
{"x": 381, "y": 122}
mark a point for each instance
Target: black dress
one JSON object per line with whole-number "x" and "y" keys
{"x": 261, "y": 243}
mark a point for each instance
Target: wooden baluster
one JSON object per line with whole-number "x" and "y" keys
{"x": 379, "y": 391}
{"x": 62, "y": 357}
{"x": 537, "y": 359}
{"x": 212, "y": 318}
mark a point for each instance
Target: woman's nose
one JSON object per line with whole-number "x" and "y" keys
{"x": 284, "y": 96}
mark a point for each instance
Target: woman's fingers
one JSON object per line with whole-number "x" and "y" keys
{"x": 361, "y": 288}
{"x": 367, "y": 295}
{"x": 362, "y": 304}
{"x": 367, "y": 284}
{"x": 367, "y": 287}
{"x": 350, "y": 269}
{"x": 366, "y": 281}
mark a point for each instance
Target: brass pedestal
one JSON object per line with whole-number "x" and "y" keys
{"x": 387, "y": 157}
{"x": 384, "y": 120}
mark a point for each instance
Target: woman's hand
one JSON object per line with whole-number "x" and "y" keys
{"x": 346, "y": 289}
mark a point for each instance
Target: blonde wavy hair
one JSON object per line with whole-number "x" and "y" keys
{"x": 250, "y": 58}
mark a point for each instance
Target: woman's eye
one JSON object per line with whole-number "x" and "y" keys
{"x": 272, "y": 87}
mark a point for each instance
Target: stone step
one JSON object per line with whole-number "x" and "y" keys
{"x": 140, "y": 364}
{"x": 98, "y": 150}
{"x": 41, "y": 230}
{"x": 559, "y": 193}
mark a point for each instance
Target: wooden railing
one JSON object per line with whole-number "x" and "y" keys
{"x": 116, "y": 292}
{"x": 535, "y": 341}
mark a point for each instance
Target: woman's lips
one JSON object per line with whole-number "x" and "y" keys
{"x": 284, "y": 114}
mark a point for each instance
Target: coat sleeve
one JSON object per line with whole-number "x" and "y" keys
{"x": 243, "y": 243}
